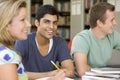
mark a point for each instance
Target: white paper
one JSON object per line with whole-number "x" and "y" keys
{"x": 78, "y": 10}
{"x": 48, "y": 77}
{"x": 116, "y": 3}
{"x": 106, "y": 70}
{"x": 73, "y": 9}
{"x": 117, "y": 6}
{"x": 76, "y": 7}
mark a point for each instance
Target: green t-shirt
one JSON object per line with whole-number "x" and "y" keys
{"x": 10, "y": 56}
{"x": 98, "y": 51}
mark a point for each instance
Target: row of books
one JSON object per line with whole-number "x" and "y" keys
{"x": 64, "y": 20}
{"x": 63, "y": 32}
{"x": 90, "y": 3}
{"x": 63, "y": 6}
{"x": 102, "y": 74}
{"x": 34, "y": 8}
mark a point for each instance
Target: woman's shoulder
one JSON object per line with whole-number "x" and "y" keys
{"x": 7, "y": 55}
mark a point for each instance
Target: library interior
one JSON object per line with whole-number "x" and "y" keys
{"x": 73, "y": 15}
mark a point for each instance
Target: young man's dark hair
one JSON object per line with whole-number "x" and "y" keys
{"x": 46, "y": 9}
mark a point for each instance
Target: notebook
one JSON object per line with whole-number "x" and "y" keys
{"x": 106, "y": 70}
{"x": 86, "y": 77}
{"x": 91, "y": 73}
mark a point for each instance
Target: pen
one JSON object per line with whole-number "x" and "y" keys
{"x": 55, "y": 65}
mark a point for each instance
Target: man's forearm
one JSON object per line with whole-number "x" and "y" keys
{"x": 36, "y": 75}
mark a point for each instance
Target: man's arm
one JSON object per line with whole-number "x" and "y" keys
{"x": 36, "y": 75}
{"x": 81, "y": 63}
{"x": 67, "y": 66}
{"x": 59, "y": 76}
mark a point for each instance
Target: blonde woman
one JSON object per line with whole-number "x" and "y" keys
{"x": 13, "y": 25}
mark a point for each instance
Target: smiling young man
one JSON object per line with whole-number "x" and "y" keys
{"x": 93, "y": 48}
{"x": 43, "y": 46}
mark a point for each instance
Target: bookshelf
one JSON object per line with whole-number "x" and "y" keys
{"x": 63, "y": 6}
{"x": 87, "y": 5}
{"x": 34, "y": 6}
{"x": 79, "y": 14}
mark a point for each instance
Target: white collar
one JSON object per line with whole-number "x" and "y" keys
{"x": 50, "y": 45}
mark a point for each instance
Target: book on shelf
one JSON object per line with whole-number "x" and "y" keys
{"x": 63, "y": 6}
{"x": 106, "y": 70}
{"x": 64, "y": 20}
{"x": 63, "y": 32}
{"x": 34, "y": 8}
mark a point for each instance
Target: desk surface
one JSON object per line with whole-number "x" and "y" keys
{"x": 77, "y": 79}
{"x": 45, "y": 78}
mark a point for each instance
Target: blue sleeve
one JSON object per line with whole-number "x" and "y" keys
{"x": 21, "y": 46}
{"x": 63, "y": 51}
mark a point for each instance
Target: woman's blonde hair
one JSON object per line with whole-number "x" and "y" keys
{"x": 8, "y": 10}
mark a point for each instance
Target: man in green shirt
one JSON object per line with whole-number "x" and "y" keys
{"x": 93, "y": 48}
